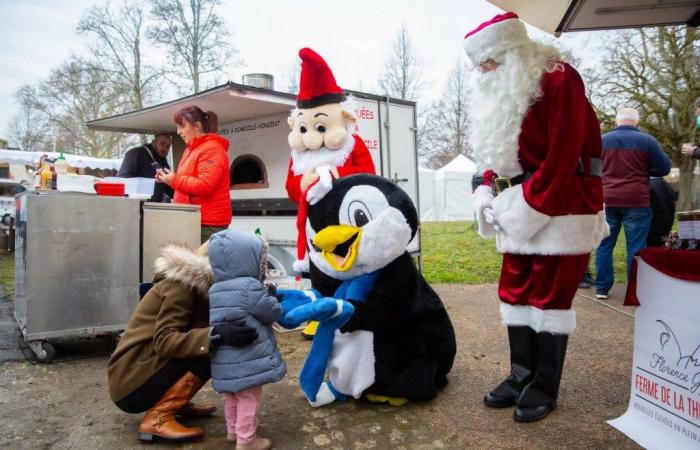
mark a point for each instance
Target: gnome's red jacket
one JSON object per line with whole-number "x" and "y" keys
{"x": 556, "y": 211}
{"x": 359, "y": 161}
{"x": 202, "y": 178}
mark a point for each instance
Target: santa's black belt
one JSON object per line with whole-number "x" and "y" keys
{"x": 499, "y": 184}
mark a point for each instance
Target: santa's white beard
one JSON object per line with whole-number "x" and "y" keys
{"x": 499, "y": 100}
{"x": 309, "y": 159}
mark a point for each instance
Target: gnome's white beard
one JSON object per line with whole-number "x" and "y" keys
{"x": 499, "y": 100}
{"x": 309, "y": 159}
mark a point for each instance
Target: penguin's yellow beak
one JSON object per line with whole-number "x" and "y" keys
{"x": 339, "y": 245}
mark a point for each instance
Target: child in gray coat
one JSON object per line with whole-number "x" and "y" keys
{"x": 239, "y": 263}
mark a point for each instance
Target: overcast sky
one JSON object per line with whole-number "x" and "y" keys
{"x": 354, "y": 37}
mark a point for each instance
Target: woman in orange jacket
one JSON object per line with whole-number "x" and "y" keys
{"x": 202, "y": 176}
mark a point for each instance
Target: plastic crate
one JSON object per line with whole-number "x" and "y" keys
{"x": 110, "y": 189}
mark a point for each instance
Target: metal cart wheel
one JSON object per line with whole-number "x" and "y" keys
{"x": 44, "y": 351}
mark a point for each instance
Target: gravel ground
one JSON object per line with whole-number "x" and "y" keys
{"x": 65, "y": 405}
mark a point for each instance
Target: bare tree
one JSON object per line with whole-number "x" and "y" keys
{"x": 195, "y": 36}
{"x": 291, "y": 76}
{"x": 658, "y": 72}
{"x": 117, "y": 49}
{"x": 74, "y": 94}
{"x": 29, "y": 129}
{"x": 445, "y": 130}
{"x": 403, "y": 70}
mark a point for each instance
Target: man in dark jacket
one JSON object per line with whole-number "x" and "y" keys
{"x": 663, "y": 210}
{"x": 139, "y": 162}
{"x": 630, "y": 157}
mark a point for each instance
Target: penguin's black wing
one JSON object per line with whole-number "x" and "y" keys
{"x": 414, "y": 339}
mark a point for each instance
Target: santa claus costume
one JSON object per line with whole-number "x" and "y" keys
{"x": 538, "y": 136}
{"x": 317, "y": 87}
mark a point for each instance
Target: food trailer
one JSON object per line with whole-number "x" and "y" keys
{"x": 254, "y": 120}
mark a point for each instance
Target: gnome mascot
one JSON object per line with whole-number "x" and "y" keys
{"x": 537, "y": 135}
{"x": 322, "y": 141}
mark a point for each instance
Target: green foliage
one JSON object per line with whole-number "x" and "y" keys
{"x": 453, "y": 252}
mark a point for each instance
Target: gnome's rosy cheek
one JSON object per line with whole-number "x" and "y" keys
{"x": 312, "y": 139}
{"x": 295, "y": 141}
{"x": 335, "y": 137}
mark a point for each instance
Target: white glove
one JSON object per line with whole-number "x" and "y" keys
{"x": 324, "y": 184}
{"x": 482, "y": 201}
{"x": 490, "y": 217}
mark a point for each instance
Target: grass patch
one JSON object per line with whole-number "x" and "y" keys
{"x": 453, "y": 252}
{"x": 7, "y": 273}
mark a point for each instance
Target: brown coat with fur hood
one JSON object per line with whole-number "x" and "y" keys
{"x": 171, "y": 321}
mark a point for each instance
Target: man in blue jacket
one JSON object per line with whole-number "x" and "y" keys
{"x": 630, "y": 157}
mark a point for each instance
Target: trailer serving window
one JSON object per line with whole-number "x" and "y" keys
{"x": 248, "y": 172}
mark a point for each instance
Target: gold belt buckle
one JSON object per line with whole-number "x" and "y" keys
{"x": 500, "y": 184}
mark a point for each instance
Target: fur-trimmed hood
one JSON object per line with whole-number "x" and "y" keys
{"x": 178, "y": 263}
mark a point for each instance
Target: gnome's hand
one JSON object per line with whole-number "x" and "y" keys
{"x": 308, "y": 178}
{"x": 320, "y": 310}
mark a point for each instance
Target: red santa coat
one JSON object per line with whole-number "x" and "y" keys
{"x": 358, "y": 161}
{"x": 556, "y": 211}
{"x": 551, "y": 222}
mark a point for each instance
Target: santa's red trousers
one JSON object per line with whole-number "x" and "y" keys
{"x": 542, "y": 281}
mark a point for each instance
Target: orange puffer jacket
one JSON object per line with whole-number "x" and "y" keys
{"x": 202, "y": 178}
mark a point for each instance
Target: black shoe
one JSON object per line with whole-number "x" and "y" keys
{"x": 587, "y": 281}
{"x": 521, "y": 340}
{"x": 601, "y": 294}
{"x": 539, "y": 397}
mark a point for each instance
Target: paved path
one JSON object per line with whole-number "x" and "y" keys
{"x": 65, "y": 405}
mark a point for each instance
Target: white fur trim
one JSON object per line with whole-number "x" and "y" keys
{"x": 495, "y": 39}
{"x": 301, "y": 265}
{"x": 324, "y": 396}
{"x": 309, "y": 159}
{"x": 482, "y": 198}
{"x": 556, "y": 321}
{"x": 525, "y": 230}
{"x": 180, "y": 264}
{"x": 518, "y": 220}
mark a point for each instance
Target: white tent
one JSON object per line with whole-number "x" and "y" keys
{"x": 445, "y": 194}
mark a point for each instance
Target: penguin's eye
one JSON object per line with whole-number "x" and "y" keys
{"x": 303, "y": 128}
{"x": 360, "y": 214}
{"x": 361, "y": 205}
{"x": 320, "y": 128}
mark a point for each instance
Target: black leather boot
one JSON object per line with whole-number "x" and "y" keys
{"x": 539, "y": 397}
{"x": 522, "y": 351}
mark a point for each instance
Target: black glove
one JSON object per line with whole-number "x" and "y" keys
{"x": 236, "y": 334}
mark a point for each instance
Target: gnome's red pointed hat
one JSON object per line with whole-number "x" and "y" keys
{"x": 317, "y": 85}
{"x": 493, "y": 37}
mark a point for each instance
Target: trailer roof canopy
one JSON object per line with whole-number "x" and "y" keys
{"x": 230, "y": 101}
{"x": 558, "y": 16}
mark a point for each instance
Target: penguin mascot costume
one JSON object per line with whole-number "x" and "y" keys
{"x": 383, "y": 331}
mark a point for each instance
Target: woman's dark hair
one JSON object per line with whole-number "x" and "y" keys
{"x": 193, "y": 114}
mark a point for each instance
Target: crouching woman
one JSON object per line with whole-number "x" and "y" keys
{"x": 162, "y": 359}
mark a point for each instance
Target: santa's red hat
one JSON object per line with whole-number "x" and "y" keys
{"x": 317, "y": 85}
{"x": 493, "y": 37}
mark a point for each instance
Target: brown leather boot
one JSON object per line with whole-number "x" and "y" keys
{"x": 194, "y": 411}
{"x": 159, "y": 421}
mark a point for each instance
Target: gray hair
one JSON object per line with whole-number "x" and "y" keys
{"x": 627, "y": 115}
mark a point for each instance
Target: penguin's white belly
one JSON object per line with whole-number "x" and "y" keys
{"x": 352, "y": 362}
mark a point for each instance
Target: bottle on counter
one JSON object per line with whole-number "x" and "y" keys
{"x": 45, "y": 176}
